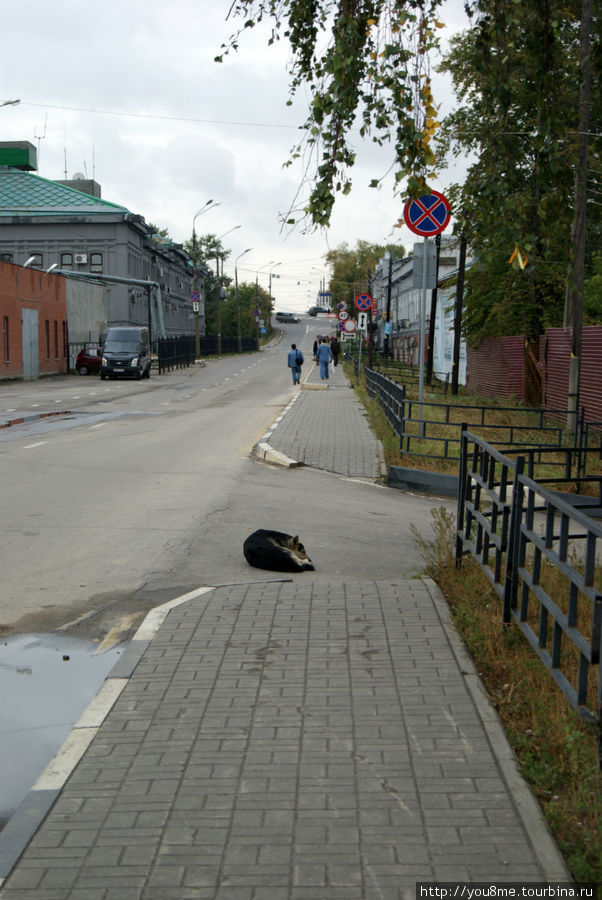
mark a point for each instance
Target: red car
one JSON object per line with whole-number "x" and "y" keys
{"x": 89, "y": 360}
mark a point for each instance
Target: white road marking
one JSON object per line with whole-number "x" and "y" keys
{"x": 31, "y": 446}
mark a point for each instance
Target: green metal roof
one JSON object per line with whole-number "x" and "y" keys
{"x": 23, "y": 194}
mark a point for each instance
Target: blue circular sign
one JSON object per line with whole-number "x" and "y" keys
{"x": 363, "y": 301}
{"x": 428, "y": 215}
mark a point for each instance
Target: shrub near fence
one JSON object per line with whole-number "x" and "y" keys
{"x": 541, "y": 557}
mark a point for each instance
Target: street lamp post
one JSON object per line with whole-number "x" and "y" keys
{"x": 197, "y": 341}
{"x": 237, "y": 300}
{"x": 218, "y": 288}
{"x": 270, "y": 286}
{"x": 271, "y": 263}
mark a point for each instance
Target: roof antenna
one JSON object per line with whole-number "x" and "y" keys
{"x": 40, "y": 137}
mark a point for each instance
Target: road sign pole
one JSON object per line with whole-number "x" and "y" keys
{"x": 427, "y": 216}
{"x": 422, "y": 335}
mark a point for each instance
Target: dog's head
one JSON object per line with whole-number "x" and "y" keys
{"x": 298, "y": 551}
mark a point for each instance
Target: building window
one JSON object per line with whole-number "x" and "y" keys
{"x": 96, "y": 262}
{"x": 38, "y": 260}
{"x": 56, "y": 339}
{"x": 5, "y": 343}
{"x": 6, "y": 257}
{"x": 47, "y": 328}
{"x": 65, "y": 341}
{"x": 66, "y": 260}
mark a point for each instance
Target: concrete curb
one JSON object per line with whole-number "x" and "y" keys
{"x": 264, "y": 451}
{"x": 543, "y": 844}
{"x": 423, "y": 481}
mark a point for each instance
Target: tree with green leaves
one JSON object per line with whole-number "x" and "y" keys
{"x": 248, "y": 303}
{"x": 365, "y": 66}
{"x": 516, "y": 74}
{"x": 351, "y": 268}
{"x": 210, "y": 253}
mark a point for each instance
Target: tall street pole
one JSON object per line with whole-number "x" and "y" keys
{"x": 218, "y": 286}
{"x": 197, "y": 340}
{"x": 238, "y": 329}
{"x": 573, "y": 307}
{"x": 218, "y": 304}
{"x": 433, "y": 316}
{"x": 388, "y": 316}
{"x": 271, "y": 263}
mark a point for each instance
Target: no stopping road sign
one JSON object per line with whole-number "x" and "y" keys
{"x": 428, "y": 215}
{"x": 363, "y": 301}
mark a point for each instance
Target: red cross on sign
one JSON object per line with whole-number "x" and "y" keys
{"x": 428, "y": 215}
{"x": 363, "y": 301}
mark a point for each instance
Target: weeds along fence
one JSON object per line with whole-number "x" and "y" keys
{"x": 433, "y": 428}
{"x": 541, "y": 556}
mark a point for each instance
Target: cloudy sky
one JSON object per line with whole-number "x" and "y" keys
{"x": 127, "y": 92}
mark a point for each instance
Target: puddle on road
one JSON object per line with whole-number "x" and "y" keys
{"x": 46, "y": 682}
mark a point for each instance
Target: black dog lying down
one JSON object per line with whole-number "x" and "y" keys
{"x": 277, "y": 551}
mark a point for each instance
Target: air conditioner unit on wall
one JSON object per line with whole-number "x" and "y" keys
{"x": 81, "y": 258}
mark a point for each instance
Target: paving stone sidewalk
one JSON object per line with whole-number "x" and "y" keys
{"x": 328, "y": 429}
{"x": 292, "y": 740}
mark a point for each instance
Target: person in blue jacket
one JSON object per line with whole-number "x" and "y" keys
{"x": 295, "y": 361}
{"x": 323, "y": 356}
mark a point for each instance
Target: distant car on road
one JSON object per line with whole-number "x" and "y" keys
{"x": 286, "y": 317}
{"x": 314, "y": 310}
{"x": 89, "y": 361}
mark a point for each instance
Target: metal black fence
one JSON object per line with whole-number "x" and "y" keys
{"x": 178, "y": 352}
{"x": 518, "y": 532}
{"x": 175, "y": 353}
{"x": 433, "y": 429}
{"x": 229, "y": 345}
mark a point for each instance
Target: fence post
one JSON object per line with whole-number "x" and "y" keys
{"x": 512, "y": 550}
{"x": 461, "y": 493}
{"x": 402, "y": 417}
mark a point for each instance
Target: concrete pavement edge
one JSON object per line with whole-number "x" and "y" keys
{"x": 544, "y": 846}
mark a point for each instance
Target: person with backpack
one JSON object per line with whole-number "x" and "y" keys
{"x": 295, "y": 361}
{"x": 324, "y": 357}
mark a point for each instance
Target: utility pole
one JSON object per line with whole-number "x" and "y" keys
{"x": 458, "y": 314}
{"x": 432, "y": 320}
{"x": 370, "y": 335}
{"x": 388, "y": 316}
{"x": 573, "y": 307}
{"x": 218, "y": 307}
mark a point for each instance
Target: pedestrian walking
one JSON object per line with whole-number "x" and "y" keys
{"x": 336, "y": 349}
{"x": 295, "y": 361}
{"x": 324, "y": 356}
{"x": 316, "y": 345}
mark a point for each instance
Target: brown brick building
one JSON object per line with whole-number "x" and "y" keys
{"x": 33, "y": 313}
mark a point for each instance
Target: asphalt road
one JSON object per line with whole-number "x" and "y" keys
{"x": 147, "y": 490}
